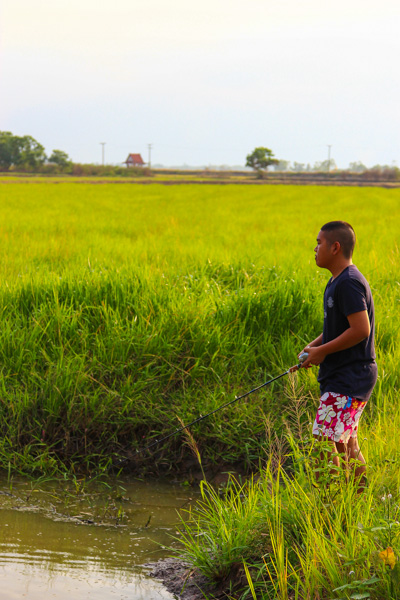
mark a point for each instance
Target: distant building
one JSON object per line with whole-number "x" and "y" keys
{"x": 134, "y": 160}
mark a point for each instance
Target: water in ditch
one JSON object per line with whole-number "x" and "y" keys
{"x": 85, "y": 540}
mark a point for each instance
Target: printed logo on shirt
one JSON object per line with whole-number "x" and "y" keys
{"x": 330, "y": 302}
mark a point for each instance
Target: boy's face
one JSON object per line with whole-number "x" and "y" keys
{"x": 323, "y": 251}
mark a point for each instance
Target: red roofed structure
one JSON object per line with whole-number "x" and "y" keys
{"x": 134, "y": 160}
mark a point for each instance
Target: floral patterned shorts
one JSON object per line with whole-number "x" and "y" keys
{"x": 337, "y": 417}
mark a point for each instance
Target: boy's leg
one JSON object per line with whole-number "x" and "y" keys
{"x": 325, "y": 456}
{"x": 337, "y": 417}
{"x": 353, "y": 456}
{"x": 330, "y": 407}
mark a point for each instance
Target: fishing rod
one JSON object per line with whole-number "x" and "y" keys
{"x": 302, "y": 358}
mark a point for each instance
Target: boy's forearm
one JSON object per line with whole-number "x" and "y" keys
{"x": 347, "y": 339}
{"x": 357, "y": 332}
{"x": 316, "y": 342}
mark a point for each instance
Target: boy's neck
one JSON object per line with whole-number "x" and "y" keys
{"x": 340, "y": 266}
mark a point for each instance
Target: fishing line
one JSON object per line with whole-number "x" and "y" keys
{"x": 302, "y": 358}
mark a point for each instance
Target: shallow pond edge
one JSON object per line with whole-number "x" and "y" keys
{"x": 182, "y": 580}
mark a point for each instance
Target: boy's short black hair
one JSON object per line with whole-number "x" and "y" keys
{"x": 342, "y": 232}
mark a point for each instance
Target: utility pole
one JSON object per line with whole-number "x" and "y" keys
{"x": 149, "y": 147}
{"x": 102, "y": 152}
{"x": 329, "y": 156}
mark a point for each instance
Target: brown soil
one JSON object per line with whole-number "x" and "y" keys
{"x": 181, "y": 580}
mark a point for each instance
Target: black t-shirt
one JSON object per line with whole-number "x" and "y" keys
{"x": 352, "y": 372}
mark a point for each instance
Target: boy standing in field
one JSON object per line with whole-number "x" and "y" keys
{"x": 345, "y": 349}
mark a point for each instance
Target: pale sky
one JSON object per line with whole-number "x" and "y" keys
{"x": 204, "y": 82}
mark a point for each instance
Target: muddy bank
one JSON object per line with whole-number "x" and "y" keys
{"x": 187, "y": 583}
{"x": 182, "y": 580}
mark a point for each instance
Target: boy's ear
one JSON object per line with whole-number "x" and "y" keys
{"x": 336, "y": 247}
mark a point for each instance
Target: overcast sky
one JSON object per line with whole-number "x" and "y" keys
{"x": 204, "y": 82}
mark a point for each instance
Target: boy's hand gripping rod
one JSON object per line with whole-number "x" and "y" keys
{"x": 302, "y": 358}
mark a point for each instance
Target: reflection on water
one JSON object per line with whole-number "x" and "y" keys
{"x": 45, "y": 555}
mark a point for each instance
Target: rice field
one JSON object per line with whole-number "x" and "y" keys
{"x": 127, "y": 308}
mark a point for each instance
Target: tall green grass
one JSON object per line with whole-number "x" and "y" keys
{"x": 282, "y": 537}
{"x": 125, "y": 308}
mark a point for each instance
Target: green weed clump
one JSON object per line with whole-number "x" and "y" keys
{"x": 125, "y": 311}
{"x": 285, "y": 536}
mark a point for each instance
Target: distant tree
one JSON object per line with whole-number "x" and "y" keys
{"x": 383, "y": 172}
{"x": 381, "y": 167}
{"x": 260, "y": 159}
{"x": 325, "y": 165}
{"x": 282, "y": 165}
{"x": 31, "y": 152}
{"x": 357, "y": 167}
{"x": 9, "y": 151}
{"x": 60, "y": 158}
{"x": 20, "y": 150}
{"x": 298, "y": 167}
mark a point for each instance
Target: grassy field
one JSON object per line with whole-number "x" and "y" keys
{"x": 124, "y": 308}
